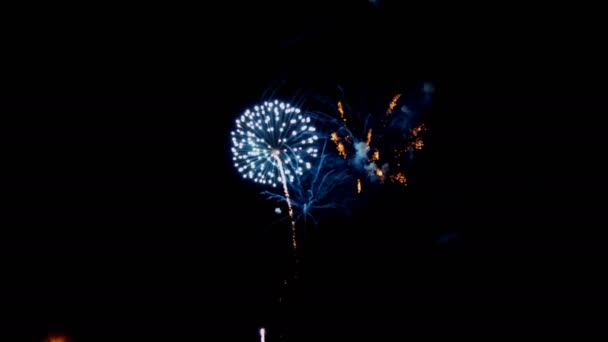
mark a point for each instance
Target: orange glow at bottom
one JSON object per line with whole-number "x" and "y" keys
{"x": 57, "y": 338}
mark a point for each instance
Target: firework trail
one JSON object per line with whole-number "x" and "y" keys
{"x": 323, "y": 188}
{"x": 273, "y": 144}
{"x": 288, "y": 200}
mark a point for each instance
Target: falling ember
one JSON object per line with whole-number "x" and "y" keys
{"x": 369, "y": 136}
{"x": 380, "y": 175}
{"x": 341, "y": 149}
{"x": 418, "y": 142}
{"x": 393, "y": 103}
{"x": 375, "y": 155}
{"x": 358, "y": 185}
{"x": 341, "y": 111}
{"x": 417, "y": 130}
{"x": 399, "y": 177}
{"x": 334, "y": 137}
{"x": 339, "y": 145}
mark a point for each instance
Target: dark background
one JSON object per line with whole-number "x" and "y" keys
{"x": 122, "y": 217}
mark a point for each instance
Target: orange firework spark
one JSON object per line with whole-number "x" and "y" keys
{"x": 393, "y": 103}
{"x": 334, "y": 137}
{"x": 339, "y": 145}
{"x": 375, "y": 155}
{"x": 418, "y": 143}
{"x": 341, "y": 149}
{"x": 416, "y": 130}
{"x": 380, "y": 174}
{"x": 341, "y": 111}
{"x": 399, "y": 177}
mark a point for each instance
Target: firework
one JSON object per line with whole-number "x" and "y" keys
{"x": 380, "y": 146}
{"x": 272, "y": 144}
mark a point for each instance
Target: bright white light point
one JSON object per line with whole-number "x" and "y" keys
{"x": 262, "y": 334}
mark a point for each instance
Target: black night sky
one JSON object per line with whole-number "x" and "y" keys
{"x": 123, "y": 219}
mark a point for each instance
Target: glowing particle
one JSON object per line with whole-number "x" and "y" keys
{"x": 334, "y": 137}
{"x": 341, "y": 111}
{"x": 375, "y": 155}
{"x": 262, "y": 335}
{"x": 399, "y": 177}
{"x": 416, "y": 130}
{"x": 341, "y": 149}
{"x": 392, "y": 104}
{"x": 339, "y": 144}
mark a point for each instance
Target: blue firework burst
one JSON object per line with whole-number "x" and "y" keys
{"x": 273, "y": 136}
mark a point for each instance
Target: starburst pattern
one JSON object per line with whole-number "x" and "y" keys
{"x": 271, "y": 135}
